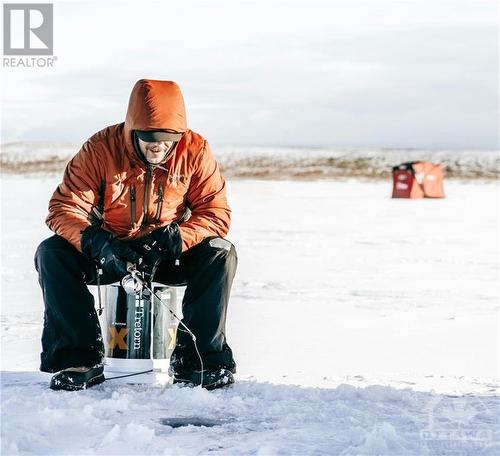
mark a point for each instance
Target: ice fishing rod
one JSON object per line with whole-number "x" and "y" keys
{"x": 134, "y": 283}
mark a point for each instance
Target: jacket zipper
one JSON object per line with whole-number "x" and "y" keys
{"x": 159, "y": 204}
{"x": 147, "y": 181}
{"x": 132, "y": 206}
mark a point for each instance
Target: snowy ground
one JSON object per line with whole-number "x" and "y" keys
{"x": 360, "y": 324}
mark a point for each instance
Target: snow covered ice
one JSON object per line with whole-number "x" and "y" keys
{"x": 361, "y": 325}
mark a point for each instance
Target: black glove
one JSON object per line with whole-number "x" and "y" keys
{"x": 162, "y": 244}
{"x": 109, "y": 252}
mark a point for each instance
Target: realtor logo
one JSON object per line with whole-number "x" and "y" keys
{"x": 28, "y": 29}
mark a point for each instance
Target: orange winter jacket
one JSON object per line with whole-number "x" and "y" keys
{"x": 108, "y": 178}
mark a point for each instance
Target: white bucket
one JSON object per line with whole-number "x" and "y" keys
{"x": 139, "y": 332}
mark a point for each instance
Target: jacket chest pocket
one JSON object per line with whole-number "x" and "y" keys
{"x": 168, "y": 198}
{"x": 158, "y": 203}
{"x": 133, "y": 206}
{"x": 120, "y": 209}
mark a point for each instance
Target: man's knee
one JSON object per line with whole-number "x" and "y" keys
{"x": 52, "y": 247}
{"x": 222, "y": 244}
{"x": 214, "y": 250}
{"x": 221, "y": 248}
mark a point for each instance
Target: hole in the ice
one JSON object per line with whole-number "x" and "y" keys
{"x": 191, "y": 421}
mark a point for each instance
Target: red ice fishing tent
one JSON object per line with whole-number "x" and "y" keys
{"x": 417, "y": 180}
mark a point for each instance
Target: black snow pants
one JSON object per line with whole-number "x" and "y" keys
{"x": 72, "y": 335}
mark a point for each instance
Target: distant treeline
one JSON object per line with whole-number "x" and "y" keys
{"x": 280, "y": 162}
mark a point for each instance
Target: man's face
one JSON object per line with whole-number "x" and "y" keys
{"x": 155, "y": 151}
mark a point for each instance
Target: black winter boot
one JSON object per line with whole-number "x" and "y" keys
{"x": 212, "y": 378}
{"x": 77, "y": 378}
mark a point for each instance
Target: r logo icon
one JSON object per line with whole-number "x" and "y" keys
{"x": 28, "y": 29}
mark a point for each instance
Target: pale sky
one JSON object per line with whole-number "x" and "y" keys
{"x": 334, "y": 73}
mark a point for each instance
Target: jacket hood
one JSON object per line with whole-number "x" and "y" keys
{"x": 154, "y": 105}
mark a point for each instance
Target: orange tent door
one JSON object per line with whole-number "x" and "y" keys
{"x": 433, "y": 180}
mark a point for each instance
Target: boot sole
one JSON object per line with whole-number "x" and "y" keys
{"x": 209, "y": 387}
{"x": 69, "y": 387}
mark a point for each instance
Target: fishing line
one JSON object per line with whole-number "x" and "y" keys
{"x": 193, "y": 337}
{"x": 130, "y": 375}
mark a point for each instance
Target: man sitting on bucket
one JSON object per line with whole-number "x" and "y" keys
{"x": 145, "y": 192}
